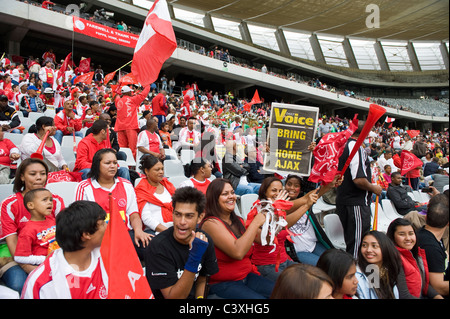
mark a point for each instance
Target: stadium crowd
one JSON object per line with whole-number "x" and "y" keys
{"x": 189, "y": 233}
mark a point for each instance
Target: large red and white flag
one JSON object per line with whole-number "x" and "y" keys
{"x": 327, "y": 154}
{"x": 126, "y": 279}
{"x": 156, "y": 44}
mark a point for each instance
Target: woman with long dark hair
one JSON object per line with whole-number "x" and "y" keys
{"x": 415, "y": 274}
{"x": 103, "y": 180}
{"x": 237, "y": 278}
{"x": 379, "y": 266}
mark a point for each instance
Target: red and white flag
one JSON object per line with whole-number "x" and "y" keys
{"x": 126, "y": 279}
{"x": 85, "y": 78}
{"x": 156, "y": 44}
{"x": 85, "y": 65}
{"x": 189, "y": 94}
{"x": 409, "y": 162}
{"x": 327, "y": 154}
{"x": 109, "y": 77}
{"x": 389, "y": 119}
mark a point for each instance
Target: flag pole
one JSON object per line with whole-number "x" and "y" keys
{"x": 375, "y": 217}
{"x": 123, "y": 65}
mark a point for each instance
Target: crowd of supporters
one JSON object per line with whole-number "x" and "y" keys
{"x": 219, "y": 244}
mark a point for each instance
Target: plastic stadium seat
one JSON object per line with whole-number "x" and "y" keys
{"x": 186, "y": 156}
{"x": 13, "y": 137}
{"x": 64, "y": 189}
{"x": 6, "y": 190}
{"x": 177, "y": 180}
{"x": 383, "y": 222}
{"x": 173, "y": 168}
{"x": 334, "y": 230}
{"x": 68, "y": 154}
{"x": 389, "y": 210}
{"x": 320, "y": 207}
{"x": 130, "y": 159}
{"x": 33, "y": 116}
{"x": 247, "y": 201}
{"x": 67, "y": 140}
{"x": 171, "y": 152}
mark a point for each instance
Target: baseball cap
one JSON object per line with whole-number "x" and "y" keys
{"x": 169, "y": 117}
{"x": 32, "y": 87}
{"x": 126, "y": 89}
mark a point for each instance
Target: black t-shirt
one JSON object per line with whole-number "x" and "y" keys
{"x": 348, "y": 193}
{"x": 165, "y": 259}
{"x": 434, "y": 250}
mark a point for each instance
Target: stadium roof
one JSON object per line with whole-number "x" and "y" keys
{"x": 415, "y": 20}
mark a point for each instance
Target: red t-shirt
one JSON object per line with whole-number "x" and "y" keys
{"x": 231, "y": 269}
{"x": 5, "y": 148}
{"x": 14, "y": 215}
{"x": 262, "y": 256}
{"x": 36, "y": 238}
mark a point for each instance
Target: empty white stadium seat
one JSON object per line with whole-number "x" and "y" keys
{"x": 334, "y": 230}
{"x": 64, "y": 189}
{"x": 173, "y": 168}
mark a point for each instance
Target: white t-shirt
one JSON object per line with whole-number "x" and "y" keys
{"x": 305, "y": 239}
{"x": 151, "y": 214}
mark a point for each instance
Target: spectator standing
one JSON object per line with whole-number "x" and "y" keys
{"x": 159, "y": 107}
{"x": 127, "y": 124}
{"x": 47, "y": 74}
{"x": 354, "y": 194}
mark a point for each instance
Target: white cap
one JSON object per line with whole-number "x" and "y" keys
{"x": 48, "y": 90}
{"x": 126, "y": 89}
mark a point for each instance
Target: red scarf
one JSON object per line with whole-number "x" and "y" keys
{"x": 145, "y": 193}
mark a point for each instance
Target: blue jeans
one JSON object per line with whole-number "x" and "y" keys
{"x": 251, "y": 287}
{"x": 268, "y": 271}
{"x": 313, "y": 257}
{"x": 14, "y": 278}
{"x": 251, "y": 188}
{"x": 59, "y": 135}
{"x": 123, "y": 172}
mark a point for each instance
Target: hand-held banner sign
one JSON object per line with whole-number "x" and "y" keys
{"x": 292, "y": 129}
{"x": 155, "y": 45}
